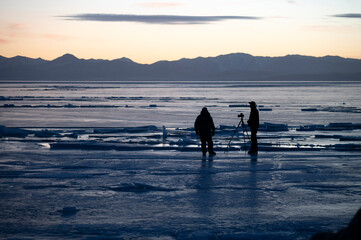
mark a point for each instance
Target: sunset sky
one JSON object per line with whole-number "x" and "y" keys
{"x": 149, "y": 31}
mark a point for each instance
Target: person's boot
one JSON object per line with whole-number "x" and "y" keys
{"x": 212, "y": 153}
{"x": 252, "y": 151}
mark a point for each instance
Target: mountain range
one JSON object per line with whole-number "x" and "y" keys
{"x": 235, "y": 67}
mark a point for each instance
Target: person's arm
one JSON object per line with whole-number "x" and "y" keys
{"x": 257, "y": 119}
{"x": 196, "y": 124}
{"x": 250, "y": 119}
{"x": 212, "y": 127}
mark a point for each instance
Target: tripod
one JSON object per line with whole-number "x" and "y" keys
{"x": 244, "y": 136}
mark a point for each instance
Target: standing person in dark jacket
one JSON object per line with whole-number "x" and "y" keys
{"x": 253, "y": 123}
{"x": 204, "y": 127}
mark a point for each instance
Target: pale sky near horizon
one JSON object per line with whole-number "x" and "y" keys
{"x": 149, "y": 31}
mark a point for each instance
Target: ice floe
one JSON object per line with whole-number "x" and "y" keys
{"x": 138, "y": 188}
{"x": 271, "y": 127}
{"x": 330, "y": 127}
{"x": 272, "y": 137}
{"x": 13, "y": 132}
{"x": 45, "y": 133}
{"x": 68, "y": 211}
{"x": 343, "y": 109}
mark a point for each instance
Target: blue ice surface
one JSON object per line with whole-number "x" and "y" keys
{"x": 93, "y": 160}
{"x": 106, "y": 194}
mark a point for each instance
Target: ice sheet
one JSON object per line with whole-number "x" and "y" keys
{"x": 122, "y": 161}
{"x": 86, "y": 194}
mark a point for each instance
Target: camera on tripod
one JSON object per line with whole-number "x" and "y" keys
{"x": 241, "y": 115}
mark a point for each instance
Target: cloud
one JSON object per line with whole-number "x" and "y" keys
{"x": 56, "y": 37}
{"x": 4, "y": 41}
{"x": 154, "y": 19}
{"x": 348, "y": 15}
{"x": 21, "y": 31}
{"x": 16, "y": 26}
{"x": 159, "y": 4}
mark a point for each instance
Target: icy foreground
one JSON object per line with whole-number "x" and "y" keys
{"x": 175, "y": 195}
{"x": 122, "y": 161}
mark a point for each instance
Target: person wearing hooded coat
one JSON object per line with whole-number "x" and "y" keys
{"x": 204, "y": 127}
{"x": 253, "y": 123}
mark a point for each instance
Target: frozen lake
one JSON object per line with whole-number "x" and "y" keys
{"x": 121, "y": 161}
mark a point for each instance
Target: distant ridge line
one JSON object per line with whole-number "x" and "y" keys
{"x": 231, "y": 67}
{"x": 68, "y": 55}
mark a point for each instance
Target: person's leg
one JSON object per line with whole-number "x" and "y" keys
{"x": 210, "y": 145}
{"x": 255, "y": 142}
{"x": 254, "y": 147}
{"x": 203, "y": 144}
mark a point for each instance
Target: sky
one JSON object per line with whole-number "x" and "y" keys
{"x": 150, "y": 31}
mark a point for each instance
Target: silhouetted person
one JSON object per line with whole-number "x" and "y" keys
{"x": 253, "y": 123}
{"x": 204, "y": 127}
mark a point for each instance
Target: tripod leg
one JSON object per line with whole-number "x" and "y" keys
{"x": 229, "y": 143}
{"x": 245, "y": 129}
